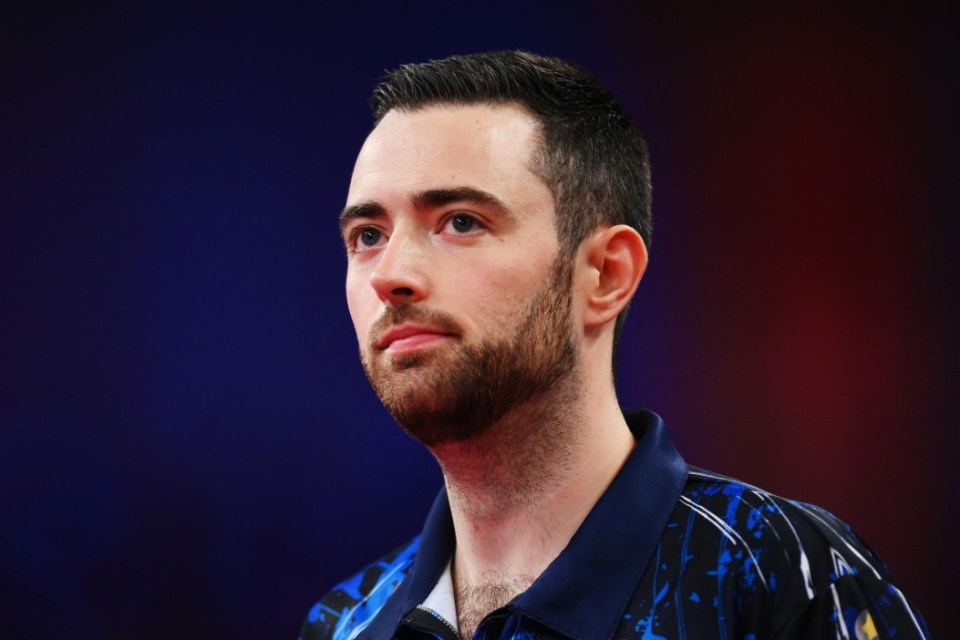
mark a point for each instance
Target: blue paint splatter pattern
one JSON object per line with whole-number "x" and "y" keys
{"x": 350, "y": 606}
{"x": 739, "y": 562}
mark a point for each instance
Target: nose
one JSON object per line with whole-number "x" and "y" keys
{"x": 400, "y": 274}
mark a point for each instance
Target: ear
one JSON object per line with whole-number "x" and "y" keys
{"x": 617, "y": 259}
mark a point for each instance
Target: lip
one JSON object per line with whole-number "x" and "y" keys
{"x": 410, "y": 337}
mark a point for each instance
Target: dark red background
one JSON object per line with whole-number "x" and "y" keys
{"x": 188, "y": 446}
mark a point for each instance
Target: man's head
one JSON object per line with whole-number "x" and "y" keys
{"x": 590, "y": 156}
{"x": 470, "y": 291}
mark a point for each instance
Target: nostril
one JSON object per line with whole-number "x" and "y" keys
{"x": 402, "y": 291}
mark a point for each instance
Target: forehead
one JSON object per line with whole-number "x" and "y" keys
{"x": 481, "y": 146}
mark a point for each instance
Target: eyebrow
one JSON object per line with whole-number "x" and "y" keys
{"x": 427, "y": 200}
{"x": 441, "y": 197}
{"x": 364, "y": 210}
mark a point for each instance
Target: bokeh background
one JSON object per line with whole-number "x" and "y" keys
{"x": 188, "y": 446}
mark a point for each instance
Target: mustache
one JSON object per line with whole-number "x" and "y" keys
{"x": 400, "y": 314}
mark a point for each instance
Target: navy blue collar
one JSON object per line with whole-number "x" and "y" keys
{"x": 585, "y": 591}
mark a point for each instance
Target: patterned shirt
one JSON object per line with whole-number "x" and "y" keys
{"x": 668, "y": 552}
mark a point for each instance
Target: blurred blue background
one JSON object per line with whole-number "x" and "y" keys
{"x": 188, "y": 446}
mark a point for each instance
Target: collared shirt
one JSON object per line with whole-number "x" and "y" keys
{"x": 668, "y": 551}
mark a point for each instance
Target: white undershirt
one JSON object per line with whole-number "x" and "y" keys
{"x": 441, "y": 600}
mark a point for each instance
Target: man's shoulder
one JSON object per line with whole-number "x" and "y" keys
{"x": 786, "y": 567}
{"x": 797, "y": 533}
{"x": 350, "y": 606}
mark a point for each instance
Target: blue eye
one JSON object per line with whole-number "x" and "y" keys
{"x": 370, "y": 237}
{"x": 462, "y": 223}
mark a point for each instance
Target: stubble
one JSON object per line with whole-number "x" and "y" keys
{"x": 456, "y": 394}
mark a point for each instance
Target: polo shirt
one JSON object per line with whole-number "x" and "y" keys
{"x": 668, "y": 551}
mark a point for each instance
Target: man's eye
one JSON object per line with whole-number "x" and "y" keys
{"x": 463, "y": 223}
{"x": 366, "y": 238}
{"x": 370, "y": 237}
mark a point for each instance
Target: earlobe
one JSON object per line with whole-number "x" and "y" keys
{"x": 618, "y": 257}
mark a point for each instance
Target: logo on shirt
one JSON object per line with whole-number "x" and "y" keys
{"x": 865, "y": 628}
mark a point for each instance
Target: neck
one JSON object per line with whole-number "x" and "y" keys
{"x": 520, "y": 491}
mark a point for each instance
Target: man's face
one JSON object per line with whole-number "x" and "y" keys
{"x": 459, "y": 297}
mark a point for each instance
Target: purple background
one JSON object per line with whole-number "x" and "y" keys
{"x": 188, "y": 446}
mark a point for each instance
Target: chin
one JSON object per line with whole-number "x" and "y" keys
{"x": 403, "y": 361}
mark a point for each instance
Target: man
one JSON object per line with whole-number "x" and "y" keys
{"x": 496, "y": 228}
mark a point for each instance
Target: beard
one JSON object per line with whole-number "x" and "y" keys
{"x": 455, "y": 394}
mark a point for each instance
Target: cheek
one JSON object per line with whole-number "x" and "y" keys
{"x": 360, "y": 306}
{"x": 504, "y": 296}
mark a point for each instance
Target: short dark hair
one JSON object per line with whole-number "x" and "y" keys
{"x": 592, "y": 157}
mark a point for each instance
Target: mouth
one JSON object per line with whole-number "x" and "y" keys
{"x": 408, "y": 338}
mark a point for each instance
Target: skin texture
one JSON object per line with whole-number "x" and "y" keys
{"x": 455, "y": 394}
{"x": 485, "y": 341}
